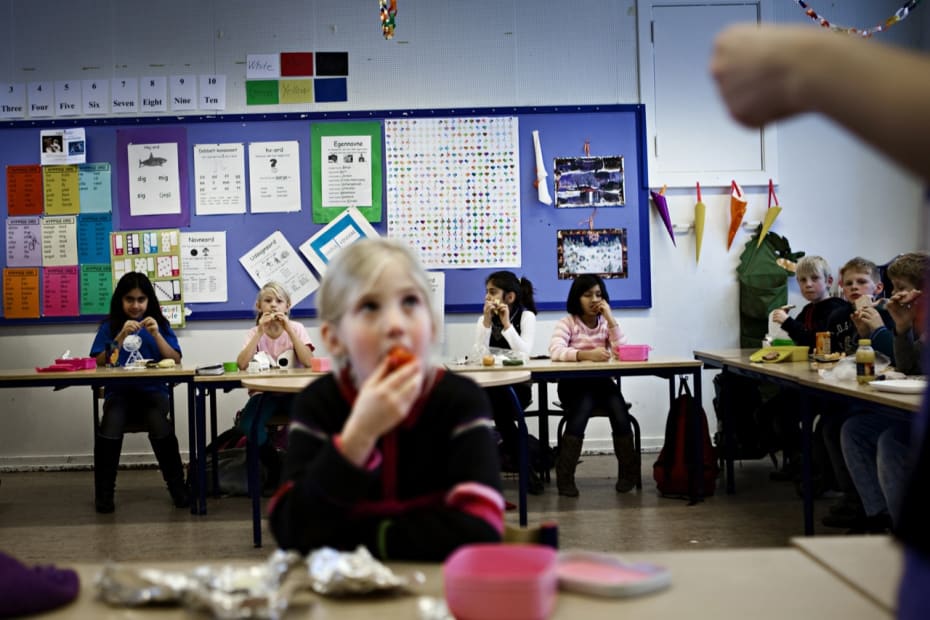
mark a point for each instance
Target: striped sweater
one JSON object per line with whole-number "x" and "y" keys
{"x": 571, "y": 335}
{"x": 432, "y": 485}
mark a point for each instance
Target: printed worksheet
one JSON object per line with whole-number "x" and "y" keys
{"x": 154, "y": 186}
{"x": 274, "y": 176}
{"x": 219, "y": 177}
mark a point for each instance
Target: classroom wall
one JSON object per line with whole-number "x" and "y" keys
{"x": 840, "y": 199}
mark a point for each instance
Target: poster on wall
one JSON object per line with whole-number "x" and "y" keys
{"x": 453, "y": 189}
{"x": 600, "y": 251}
{"x": 62, "y": 146}
{"x": 154, "y": 186}
{"x": 346, "y": 229}
{"x": 203, "y": 262}
{"x": 589, "y": 181}
{"x": 274, "y": 176}
{"x": 219, "y": 178}
{"x": 346, "y": 164}
{"x": 157, "y": 254}
{"x": 274, "y": 258}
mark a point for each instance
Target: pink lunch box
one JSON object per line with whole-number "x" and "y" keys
{"x": 633, "y": 352}
{"x": 501, "y": 582}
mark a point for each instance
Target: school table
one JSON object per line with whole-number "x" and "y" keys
{"x": 870, "y": 564}
{"x": 485, "y": 379}
{"x": 799, "y": 376}
{"x": 762, "y": 584}
{"x": 110, "y": 377}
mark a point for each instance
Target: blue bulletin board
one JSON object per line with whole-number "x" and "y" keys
{"x": 609, "y": 131}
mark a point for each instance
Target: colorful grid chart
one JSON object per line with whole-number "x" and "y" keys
{"x": 453, "y": 189}
{"x": 157, "y": 254}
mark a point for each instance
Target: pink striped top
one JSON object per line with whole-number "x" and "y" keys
{"x": 572, "y": 335}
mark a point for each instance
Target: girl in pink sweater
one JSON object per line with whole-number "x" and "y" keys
{"x": 591, "y": 333}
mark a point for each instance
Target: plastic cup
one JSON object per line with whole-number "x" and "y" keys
{"x": 230, "y": 366}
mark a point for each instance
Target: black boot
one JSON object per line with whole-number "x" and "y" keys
{"x": 628, "y": 463}
{"x": 569, "y": 451}
{"x": 106, "y": 462}
{"x": 172, "y": 470}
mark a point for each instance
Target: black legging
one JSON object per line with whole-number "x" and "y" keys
{"x": 132, "y": 404}
{"x": 581, "y": 397}
{"x": 505, "y": 417}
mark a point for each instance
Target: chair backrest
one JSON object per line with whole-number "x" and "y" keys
{"x": 98, "y": 394}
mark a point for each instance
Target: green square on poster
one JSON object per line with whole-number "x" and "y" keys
{"x": 345, "y": 167}
{"x": 96, "y": 288}
{"x": 261, "y": 92}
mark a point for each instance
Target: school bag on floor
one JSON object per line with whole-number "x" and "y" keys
{"x": 673, "y": 472}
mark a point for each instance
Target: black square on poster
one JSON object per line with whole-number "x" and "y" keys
{"x": 332, "y": 63}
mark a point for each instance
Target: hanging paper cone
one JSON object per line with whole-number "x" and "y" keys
{"x": 770, "y": 214}
{"x": 699, "y": 212}
{"x": 658, "y": 199}
{"x": 737, "y": 211}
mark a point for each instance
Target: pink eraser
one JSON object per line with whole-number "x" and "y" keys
{"x": 321, "y": 364}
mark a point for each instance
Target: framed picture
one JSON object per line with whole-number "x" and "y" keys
{"x": 600, "y": 251}
{"x": 589, "y": 182}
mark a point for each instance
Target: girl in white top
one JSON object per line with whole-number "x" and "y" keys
{"x": 509, "y": 317}
{"x": 274, "y": 333}
{"x": 509, "y": 322}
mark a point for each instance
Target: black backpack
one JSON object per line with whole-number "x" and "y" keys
{"x": 674, "y": 471}
{"x": 754, "y": 429}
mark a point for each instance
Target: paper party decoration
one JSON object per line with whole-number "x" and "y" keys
{"x": 658, "y": 199}
{"x": 700, "y": 210}
{"x": 542, "y": 187}
{"x": 737, "y": 211}
{"x": 770, "y": 214}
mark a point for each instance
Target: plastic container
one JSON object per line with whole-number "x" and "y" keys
{"x": 633, "y": 352}
{"x": 321, "y": 364}
{"x": 501, "y": 582}
{"x": 865, "y": 361}
{"x": 600, "y": 574}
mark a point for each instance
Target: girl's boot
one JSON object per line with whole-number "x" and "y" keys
{"x": 106, "y": 462}
{"x": 172, "y": 470}
{"x": 628, "y": 464}
{"x": 569, "y": 451}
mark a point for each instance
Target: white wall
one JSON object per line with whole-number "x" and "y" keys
{"x": 840, "y": 198}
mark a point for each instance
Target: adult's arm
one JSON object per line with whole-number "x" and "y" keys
{"x": 878, "y": 92}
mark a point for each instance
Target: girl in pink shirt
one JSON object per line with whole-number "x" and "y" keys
{"x": 288, "y": 345}
{"x": 591, "y": 333}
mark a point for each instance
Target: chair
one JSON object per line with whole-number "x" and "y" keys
{"x": 600, "y": 413}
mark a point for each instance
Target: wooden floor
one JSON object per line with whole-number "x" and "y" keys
{"x": 48, "y": 517}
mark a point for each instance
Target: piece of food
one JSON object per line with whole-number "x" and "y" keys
{"x": 512, "y": 362}
{"x": 487, "y": 360}
{"x": 863, "y": 302}
{"x": 398, "y": 356}
{"x": 771, "y": 355}
{"x": 166, "y": 363}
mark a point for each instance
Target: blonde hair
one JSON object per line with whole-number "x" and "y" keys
{"x": 912, "y": 267}
{"x": 811, "y": 265}
{"x": 278, "y": 290}
{"x": 861, "y": 265}
{"x": 354, "y": 270}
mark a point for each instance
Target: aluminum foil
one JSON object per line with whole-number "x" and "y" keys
{"x": 344, "y": 573}
{"x": 227, "y": 592}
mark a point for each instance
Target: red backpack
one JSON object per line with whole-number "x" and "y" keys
{"x": 675, "y": 471}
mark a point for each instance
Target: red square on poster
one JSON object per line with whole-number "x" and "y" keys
{"x": 296, "y": 64}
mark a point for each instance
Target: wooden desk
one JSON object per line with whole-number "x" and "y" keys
{"x": 111, "y": 377}
{"x": 871, "y": 565}
{"x": 763, "y": 584}
{"x": 810, "y": 386}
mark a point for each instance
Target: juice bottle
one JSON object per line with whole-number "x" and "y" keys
{"x": 865, "y": 361}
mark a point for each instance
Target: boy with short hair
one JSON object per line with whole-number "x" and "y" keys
{"x": 859, "y": 318}
{"x": 814, "y": 280}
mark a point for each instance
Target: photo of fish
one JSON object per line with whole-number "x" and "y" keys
{"x": 152, "y": 161}
{"x": 589, "y": 182}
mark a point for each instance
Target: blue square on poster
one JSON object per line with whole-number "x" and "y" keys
{"x": 330, "y": 89}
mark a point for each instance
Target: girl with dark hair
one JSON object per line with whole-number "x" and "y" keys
{"x": 134, "y": 310}
{"x": 509, "y": 322}
{"x": 591, "y": 333}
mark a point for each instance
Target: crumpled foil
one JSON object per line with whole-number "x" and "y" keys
{"x": 342, "y": 573}
{"x": 227, "y": 592}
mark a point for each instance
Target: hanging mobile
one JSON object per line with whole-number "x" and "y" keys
{"x": 133, "y": 343}
{"x": 899, "y": 16}
{"x": 388, "y": 11}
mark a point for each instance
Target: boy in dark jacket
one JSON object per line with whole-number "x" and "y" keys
{"x": 814, "y": 280}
